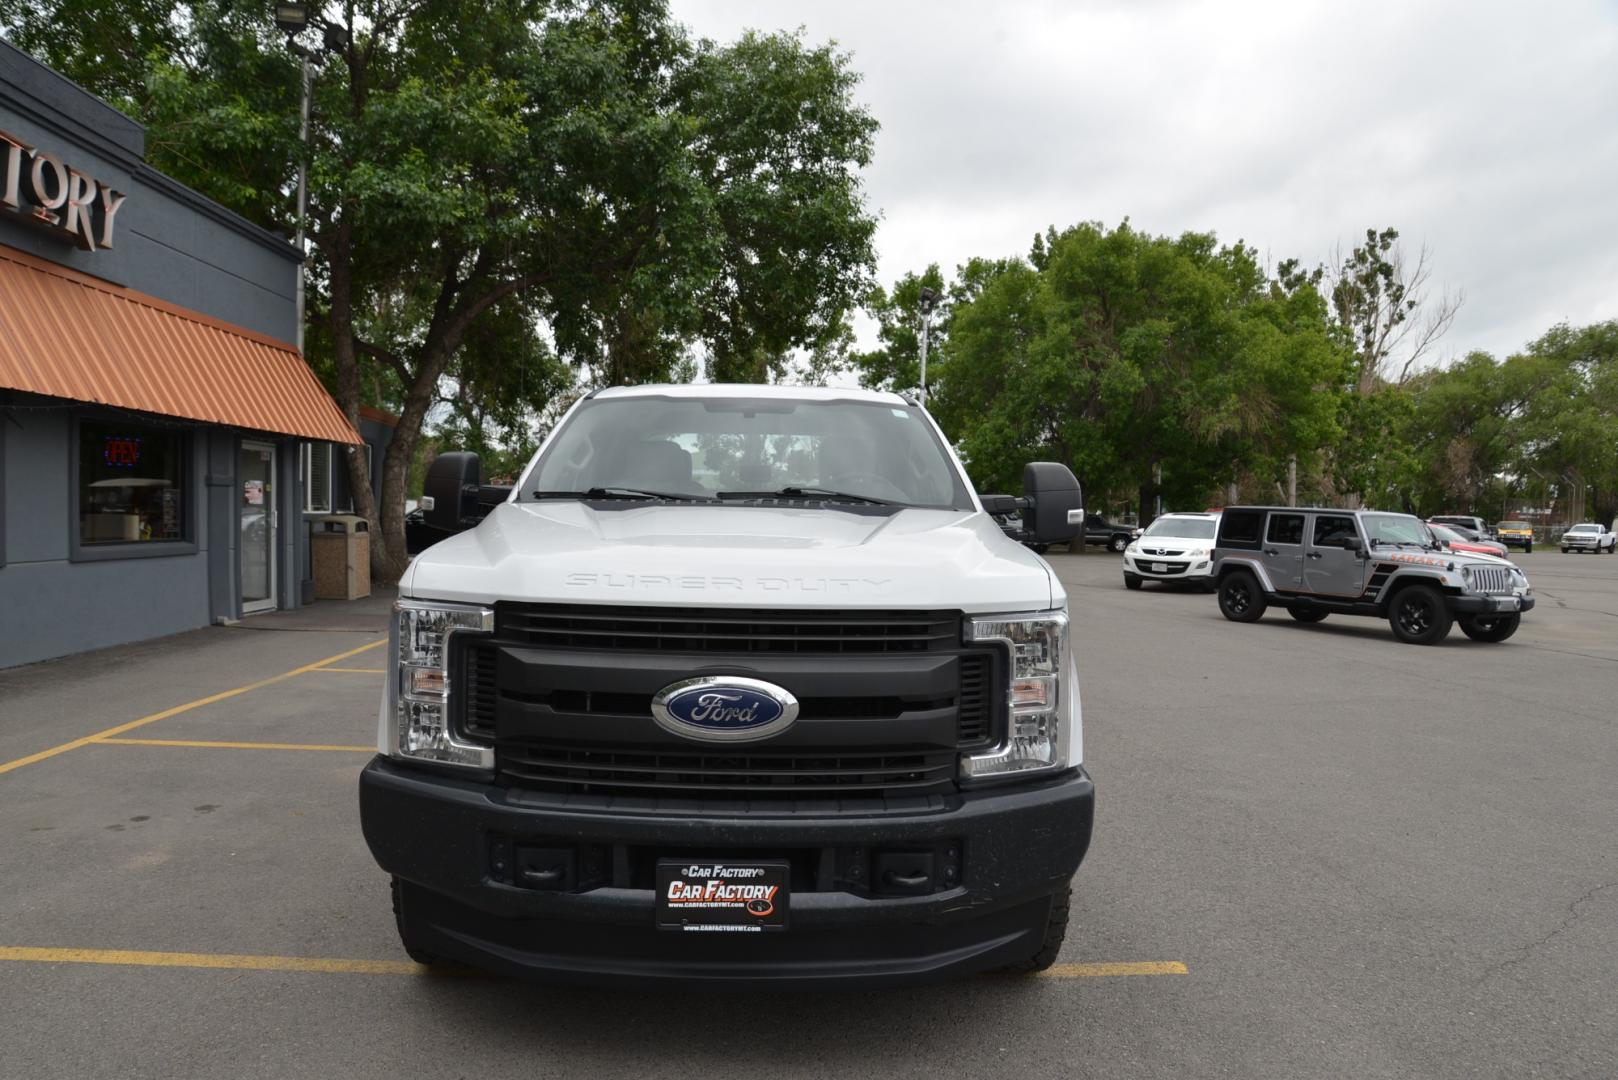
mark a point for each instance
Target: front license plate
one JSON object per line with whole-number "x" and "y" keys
{"x": 1160, "y": 568}
{"x": 722, "y": 897}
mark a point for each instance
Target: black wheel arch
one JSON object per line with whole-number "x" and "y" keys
{"x": 1404, "y": 581}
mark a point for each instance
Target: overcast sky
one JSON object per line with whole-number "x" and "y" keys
{"x": 1487, "y": 130}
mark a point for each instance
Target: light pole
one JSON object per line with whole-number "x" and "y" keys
{"x": 294, "y": 19}
{"x": 929, "y": 300}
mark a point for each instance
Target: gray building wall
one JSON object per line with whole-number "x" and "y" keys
{"x": 168, "y": 240}
{"x": 89, "y": 603}
{"x": 176, "y": 245}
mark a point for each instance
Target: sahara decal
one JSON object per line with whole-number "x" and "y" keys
{"x": 1422, "y": 560}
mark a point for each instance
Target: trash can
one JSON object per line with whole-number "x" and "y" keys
{"x": 340, "y": 556}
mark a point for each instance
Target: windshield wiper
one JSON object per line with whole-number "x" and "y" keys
{"x": 826, "y": 494}
{"x": 623, "y": 493}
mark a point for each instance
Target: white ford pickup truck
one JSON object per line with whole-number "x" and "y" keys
{"x": 736, "y": 686}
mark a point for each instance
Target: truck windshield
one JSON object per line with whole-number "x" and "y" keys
{"x": 740, "y": 449}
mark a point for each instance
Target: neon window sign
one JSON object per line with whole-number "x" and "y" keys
{"x": 120, "y": 451}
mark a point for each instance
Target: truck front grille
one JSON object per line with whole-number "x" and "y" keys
{"x": 755, "y": 774}
{"x": 704, "y": 631}
{"x": 1491, "y": 579}
{"x": 477, "y": 695}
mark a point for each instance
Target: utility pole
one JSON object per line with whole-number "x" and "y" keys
{"x": 1292, "y": 481}
{"x": 293, "y": 19}
{"x": 303, "y": 183}
{"x": 929, "y": 298}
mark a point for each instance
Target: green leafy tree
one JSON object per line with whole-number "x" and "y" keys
{"x": 779, "y": 142}
{"x": 485, "y": 172}
{"x": 1125, "y": 354}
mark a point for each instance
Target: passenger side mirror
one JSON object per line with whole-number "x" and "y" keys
{"x": 1055, "y": 504}
{"x": 454, "y": 496}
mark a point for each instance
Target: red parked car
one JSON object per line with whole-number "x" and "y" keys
{"x": 1456, "y": 542}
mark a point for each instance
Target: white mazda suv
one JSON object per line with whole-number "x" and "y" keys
{"x": 1175, "y": 547}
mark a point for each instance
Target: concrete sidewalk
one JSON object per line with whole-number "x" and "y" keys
{"x": 53, "y": 702}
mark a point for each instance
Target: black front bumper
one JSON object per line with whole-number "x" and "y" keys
{"x": 1018, "y": 847}
{"x": 1490, "y": 605}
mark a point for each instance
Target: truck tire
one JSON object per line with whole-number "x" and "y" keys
{"x": 1132, "y": 581}
{"x": 412, "y": 950}
{"x": 1307, "y": 615}
{"x": 1240, "y": 598}
{"x": 1493, "y": 629}
{"x": 1055, "y": 933}
{"x": 1528, "y": 548}
{"x": 1117, "y": 544}
{"x": 1419, "y": 615}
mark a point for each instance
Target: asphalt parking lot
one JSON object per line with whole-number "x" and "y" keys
{"x": 1318, "y": 853}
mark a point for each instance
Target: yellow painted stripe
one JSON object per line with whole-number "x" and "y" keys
{"x": 353, "y": 670}
{"x": 178, "y": 709}
{"x": 213, "y": 745}
{"x": 337, "y": 965}
{"x": 228, "y": 961}
{"x": 1090, "y": 971}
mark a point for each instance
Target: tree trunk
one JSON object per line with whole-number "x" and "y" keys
{"x": 389, "y": 556}
{"x": 348, "y": 381}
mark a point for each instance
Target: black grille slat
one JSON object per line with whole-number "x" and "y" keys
{"x": 600, "y": 771}
{"x": 973, "y": 704}
{"x": 701, "y": 631}
{"x": 605, "y": 703}
{"x": 480, "y": 690}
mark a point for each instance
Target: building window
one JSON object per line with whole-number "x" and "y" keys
{"x": 317, "y": 477}
{"x": 131, "y": 482}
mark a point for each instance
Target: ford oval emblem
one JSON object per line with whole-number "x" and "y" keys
{"x": 724, "y": 708}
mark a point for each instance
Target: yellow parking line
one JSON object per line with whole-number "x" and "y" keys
{"x": 337, "y": 965}
{"x": 352, "y": 670}
{"x": 178, "y": 709}
{"x": 127, "y": 957}
{"x": 1090, "y": 971}
{"x": 212, "y": 745}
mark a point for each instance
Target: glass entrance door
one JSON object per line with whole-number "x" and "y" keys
{"x": 255, "y": 471}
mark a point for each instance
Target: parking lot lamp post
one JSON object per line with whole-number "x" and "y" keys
{"x": 928, "y": 299}
{"x": 294, "y": 19}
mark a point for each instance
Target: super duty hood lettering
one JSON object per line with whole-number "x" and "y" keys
{"x": 699, "y": 582}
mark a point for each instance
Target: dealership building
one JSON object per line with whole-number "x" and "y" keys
{"x": 162, "y": 442}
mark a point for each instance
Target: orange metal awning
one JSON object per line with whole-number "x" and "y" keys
{"x": 69, "y": 335}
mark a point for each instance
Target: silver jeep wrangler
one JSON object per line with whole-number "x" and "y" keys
{"x": 1316, "y": 562}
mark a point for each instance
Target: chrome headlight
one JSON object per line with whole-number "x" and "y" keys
{"x": 1041, "y": 722}
{"x": 416, "y": 722}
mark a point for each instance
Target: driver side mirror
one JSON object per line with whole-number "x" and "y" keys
{"x": 1353, "y": 546}
{"x": 453, "y": 494}
{"x": 1055, "y": 503}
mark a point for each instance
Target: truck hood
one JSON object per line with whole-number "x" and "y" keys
{"x": 735, "y": 556}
